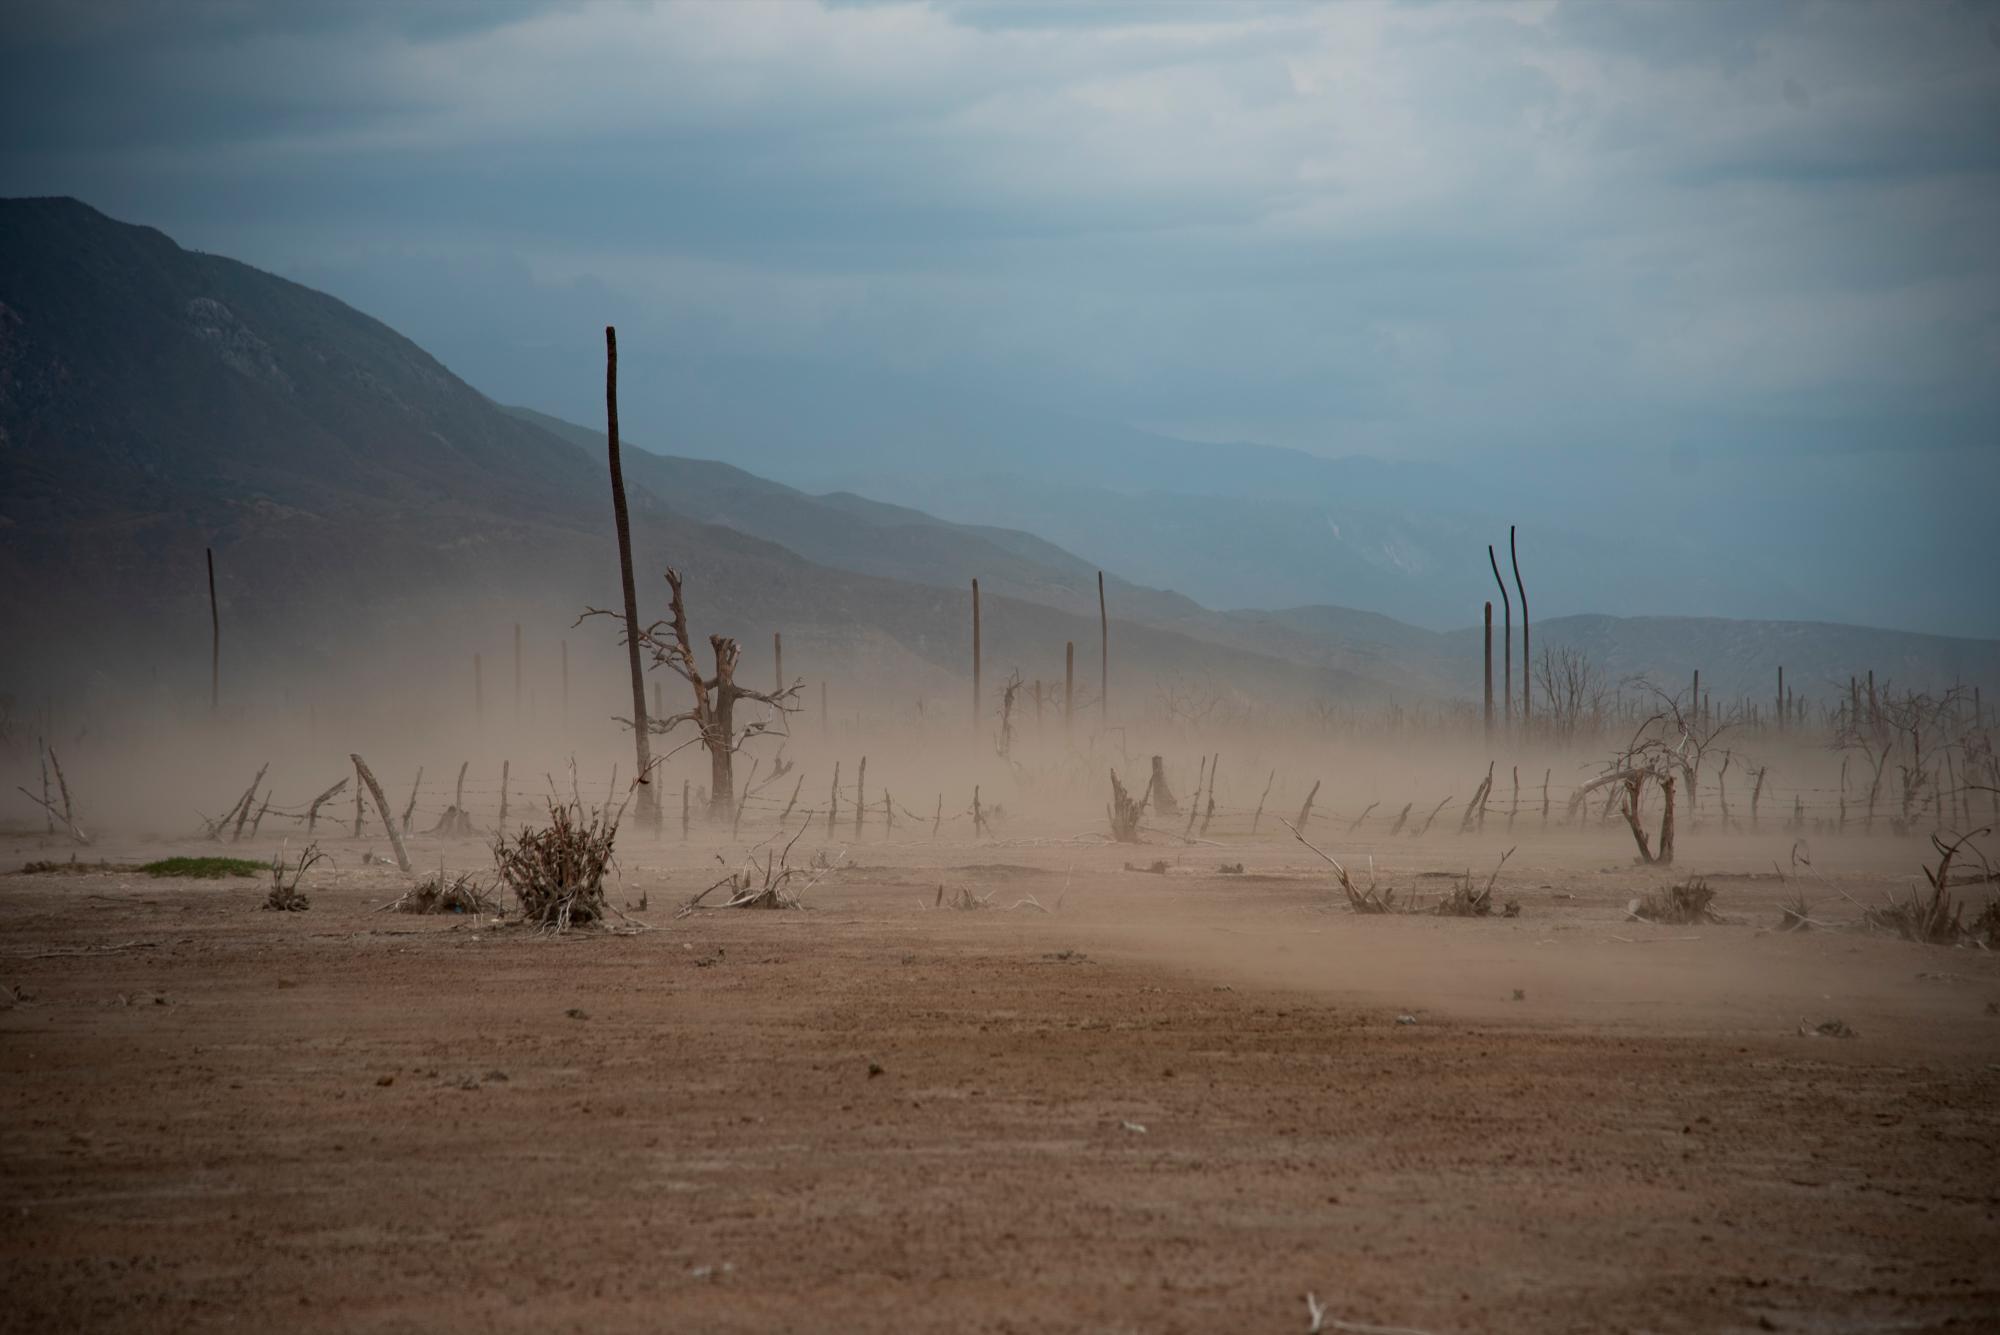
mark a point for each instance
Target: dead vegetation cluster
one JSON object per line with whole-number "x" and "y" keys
{"x": 285, "y": 895}
{"x": 556, "y": 873}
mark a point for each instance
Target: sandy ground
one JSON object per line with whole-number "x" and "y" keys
{"x": 1174, "y": 1102}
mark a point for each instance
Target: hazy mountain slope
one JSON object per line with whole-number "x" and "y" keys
{"x": 854, "y": 533}
{"x": 850, "y": 532}
{"x": 156, "y": 401}
{"x": 1724, "y": 522}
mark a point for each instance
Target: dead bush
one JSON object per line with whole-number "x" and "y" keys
{"x": 461, "y": 894}
{"x": 557, "y": 872}
{"x": 1464, "y": 901}
{"x": 1682, "y": 905}
{"x": 767, "y": 885}
{"x": 284, "y": 896}
{"x": 1935, "y": 919}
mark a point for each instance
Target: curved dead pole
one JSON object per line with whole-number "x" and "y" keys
{"x": 1507, "y": 633}
{"x": 1528, "y": 663}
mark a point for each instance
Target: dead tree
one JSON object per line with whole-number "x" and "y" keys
{"x": 1258, "y": 815}
{"x": 381, "y": 806}
{"x": 1104, "y": 656}
{"x": 1489, "y": 667}
{"x": 649, "y": 810}
{"x": 1528, "y": 685}
{"x": 1158, "y": 795}
{"x": 1507, "y": 634}
{"x": 68, "y": 814}
{"x": 715, "y": 697}
{"x": 214, "y": 640}
{"x": 860, "y": 797}
{"x": 312, "y": 811}
{"x": 1124, "y": 813}
{"x": 1306, "y": 810}
{"x": 975, "y": 657}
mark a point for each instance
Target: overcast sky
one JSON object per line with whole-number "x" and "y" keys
{"x": 1408, "y": 229}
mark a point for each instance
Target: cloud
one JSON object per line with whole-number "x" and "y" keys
{"x": 1415, "y": 228}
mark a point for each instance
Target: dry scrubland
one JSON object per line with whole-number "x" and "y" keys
{"x": 1009, "y": 1075}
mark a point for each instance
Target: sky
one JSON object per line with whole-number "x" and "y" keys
{"x": 1393, "y": 229}
{"x": 1418, "y": 231}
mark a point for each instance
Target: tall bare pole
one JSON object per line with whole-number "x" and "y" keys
{"x": 649, "y": 810}
{"x": 778, "y": 659}
{"x": 1507, "y": 632}
{"x": 214, "y": 639}
{"x": 1489, "y": 667}
{"x": 1103, "y": 656}
{"x": 975, "y": 655}
{"x": 1527, "y": 661}
{"x": 1069, "y": 687}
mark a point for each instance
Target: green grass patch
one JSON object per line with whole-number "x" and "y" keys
{"x": 204, "y": 868}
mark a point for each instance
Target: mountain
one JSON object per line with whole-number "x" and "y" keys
{"x": 361, "y": 500}
{"x": 1729, "y": 523}
{"x": 376, "y": 521}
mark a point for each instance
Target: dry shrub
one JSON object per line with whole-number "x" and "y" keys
{"x": 461, "y": 894}
{"x": 1986, "y": 927}
{"x": 768, "y": 885}
{"x": 1932, "y": 919}
{"x": 965, "y": 900}
{"x": 1797, "y": 915}
{"x": 284, "y": 896}
{"x": 1682, "y": 905}
{"x": 1466, "y": 902}
{"x": 557, "y": 872}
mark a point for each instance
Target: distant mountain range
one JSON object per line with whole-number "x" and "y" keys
{"x": 155, "y": 401}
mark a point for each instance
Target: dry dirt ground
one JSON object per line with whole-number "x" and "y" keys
{"x": 1173, "y": 1102}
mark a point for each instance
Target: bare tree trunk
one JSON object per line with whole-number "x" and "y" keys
{"x": 975, "y": 657}
{"x": 410, "y": 810}
{"x": 1158, "y": 795}
{"x": 649, "y": 809}
{"x": 214, "y": 640}
{"x": 1489, "y": 667}
{"x": 1667, "y": 821}
{"x": 1306, "y": 811}
{"x": 1069, "y": 690}
{"x": 382, "y": 806}
{"x": 1104, "y": 655}
{"x": 1258, "y": 815}
{"x": 778, "y": 661}
{"x": 1507, "y": 634}
{"x": 48, "y": 807}
{"x": 312, "y": 811}
{"x": 1632, "y": 785}
{"x": 721, "y": 746}
{"x": 833, "y": 799}
{"x": 243, "y": 804}
{"x": 357, "y": 803}
{"x": 1527, "y": 661}
{"x": 505, "y": 767}
{"x": 860, "y": 797}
